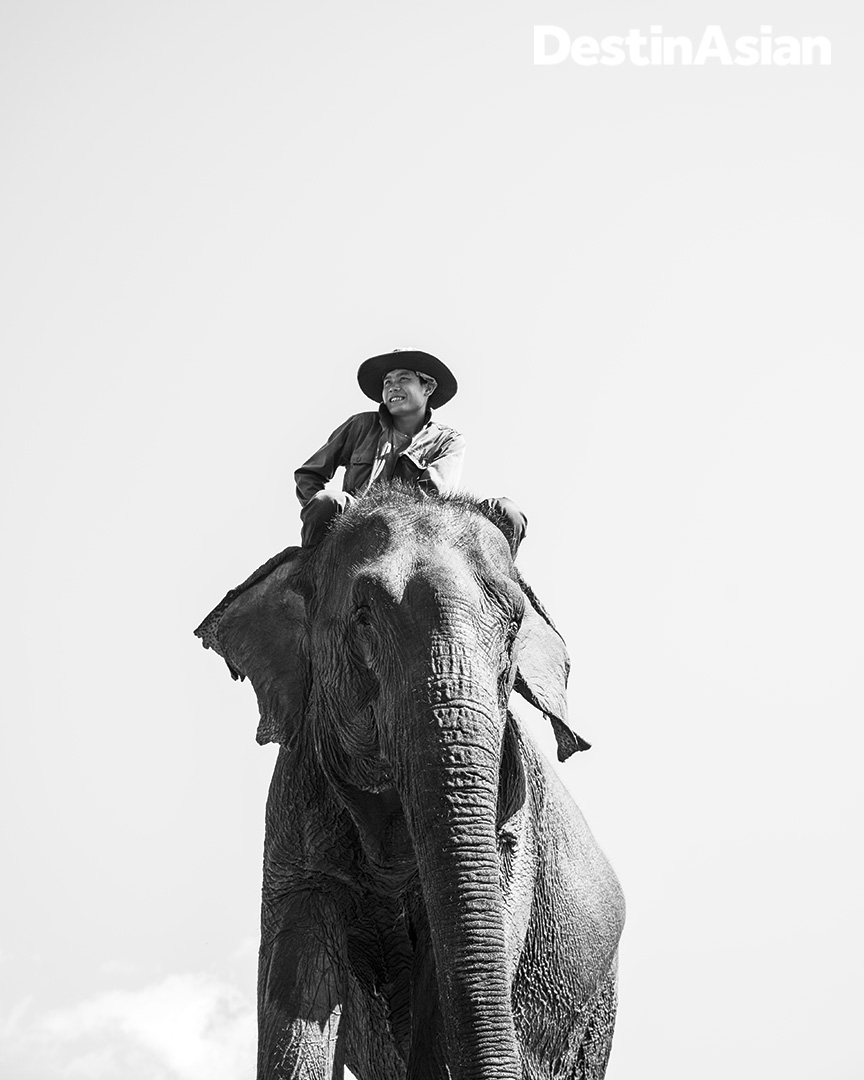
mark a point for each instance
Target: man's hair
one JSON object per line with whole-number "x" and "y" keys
{"x": 426, "y": 380}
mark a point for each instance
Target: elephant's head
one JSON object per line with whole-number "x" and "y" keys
{"x": 391, "y": 651}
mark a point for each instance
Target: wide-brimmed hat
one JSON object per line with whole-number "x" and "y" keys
{"x": 372, "y": 372}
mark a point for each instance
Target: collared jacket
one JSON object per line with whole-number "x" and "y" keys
{"x": 432, "y": 460}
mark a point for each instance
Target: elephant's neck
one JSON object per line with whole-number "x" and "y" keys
{"x": 383, "y": 833}
{"x": 361, "y": 780}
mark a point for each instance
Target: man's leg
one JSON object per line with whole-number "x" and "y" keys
{"x": 317, "y": 514}
{"x": 509, "y": 519}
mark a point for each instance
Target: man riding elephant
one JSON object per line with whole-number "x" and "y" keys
{"x": 400, "y": 441}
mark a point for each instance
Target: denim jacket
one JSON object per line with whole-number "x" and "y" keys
{"x": 432, "y": 460}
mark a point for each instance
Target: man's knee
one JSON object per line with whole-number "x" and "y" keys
{"x": 317, "y": 514}
{"x": 510, "y": 519}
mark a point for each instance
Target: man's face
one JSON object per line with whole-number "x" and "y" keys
{"x": 403, "y": 393}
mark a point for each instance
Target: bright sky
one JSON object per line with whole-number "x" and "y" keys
{"x": 647, "y": 281}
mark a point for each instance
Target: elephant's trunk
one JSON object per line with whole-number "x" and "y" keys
{"x": 450, "y": 774}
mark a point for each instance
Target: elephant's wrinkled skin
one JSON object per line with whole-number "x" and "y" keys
{"x": 434, "y": 904}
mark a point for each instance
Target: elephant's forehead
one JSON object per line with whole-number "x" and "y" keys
{"x": 432, "y": 567}
{"x": 404, "y": 527}
{"x": 454, "y": 538}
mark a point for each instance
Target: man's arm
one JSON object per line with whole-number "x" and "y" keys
{"x": 313, "y": 474}
{"x": 442, "y": 473}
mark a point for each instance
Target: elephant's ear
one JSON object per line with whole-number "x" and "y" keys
{"x": 542, "y": 667}
{"x": 259, "y": 629}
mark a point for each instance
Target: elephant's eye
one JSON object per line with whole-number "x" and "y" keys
{"x": 362, "y": 617}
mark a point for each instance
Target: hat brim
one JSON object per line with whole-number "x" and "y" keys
{"x": 372, "y": 372}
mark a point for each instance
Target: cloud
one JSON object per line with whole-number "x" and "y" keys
{"x": 186, "y": 1027}
{"x": 12, "y": 1024}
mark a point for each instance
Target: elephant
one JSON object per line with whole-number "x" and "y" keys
{"x": 433, "y": 903}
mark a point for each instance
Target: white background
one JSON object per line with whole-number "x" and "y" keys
{"x": 648, "y": 283}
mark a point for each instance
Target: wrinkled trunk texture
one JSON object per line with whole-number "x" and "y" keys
{"x": 450, "y": 789}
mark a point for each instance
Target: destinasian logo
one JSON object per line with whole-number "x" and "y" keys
{"x": 553, "y": 45}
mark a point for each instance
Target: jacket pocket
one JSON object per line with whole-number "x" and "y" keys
{"x": 359, "y": 469}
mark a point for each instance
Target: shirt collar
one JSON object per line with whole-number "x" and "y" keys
{"x": 386, "y": 420}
